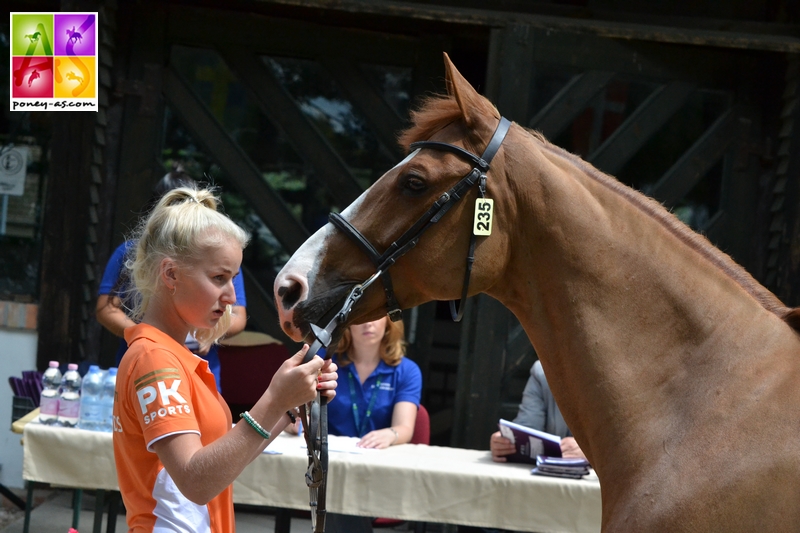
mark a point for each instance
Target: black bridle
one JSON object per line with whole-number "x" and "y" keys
{"x": 441, "y": 206}
{"x": 315, "y": 420}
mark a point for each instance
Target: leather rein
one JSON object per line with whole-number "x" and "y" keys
{"x": 314, "y": 415}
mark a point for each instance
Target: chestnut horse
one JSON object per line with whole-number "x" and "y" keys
{"x": 678, "y": 373}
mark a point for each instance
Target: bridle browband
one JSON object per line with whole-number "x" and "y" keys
{"x": 314, "y": 416}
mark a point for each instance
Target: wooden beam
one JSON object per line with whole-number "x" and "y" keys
{"x": 511, "y": 71}
{"x": 141, "y": 142}
{"x": 786, "y": 42}
{"x": 681, "y": 178}
{"x": 383, "y": 119}
{"x": 64, "y": 238}
{"x": 710, "y": 67}
{"x": 420, "y": 324}
{"x": 276, "y": 103}
{"x": 480, "y": 369}
{"x": 428, "y": 77}
{"x": 237, "y": 165}
{"x": 259, "y": 34}
{"x": 569, "y": 102}
{"x": 640, "y": 126}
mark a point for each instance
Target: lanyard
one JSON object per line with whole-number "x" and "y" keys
{"x": 363, "y": 425}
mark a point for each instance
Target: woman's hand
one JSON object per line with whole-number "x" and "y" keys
{"x": 296, "y": 383}
{"x": 327, "y": 379}
{"x": 500, "y": 447}
{"x": 379, "y": 439}
{"x": 404, "y": 416}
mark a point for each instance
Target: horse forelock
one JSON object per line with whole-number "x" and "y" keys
{"x": 434, "y": 113}
{"x": 681, "y": 231}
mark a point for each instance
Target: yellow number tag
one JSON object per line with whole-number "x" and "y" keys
{"x": 484, "y": 211}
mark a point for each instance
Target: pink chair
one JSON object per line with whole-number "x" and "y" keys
{"x": 422, "y": 427}
{"x": 245, "y": 372}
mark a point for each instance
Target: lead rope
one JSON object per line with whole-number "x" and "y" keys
{"x": 315, "y": 414}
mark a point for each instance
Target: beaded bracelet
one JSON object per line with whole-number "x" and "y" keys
{"x": 255, "y": 425}
{"x": 291, "y": 416}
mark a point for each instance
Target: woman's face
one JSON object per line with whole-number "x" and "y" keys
{"x": 205, "y": 287}
{"x": 369, "y": 333}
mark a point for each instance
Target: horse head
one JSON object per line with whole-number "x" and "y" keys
{"x": 314, "y": 282}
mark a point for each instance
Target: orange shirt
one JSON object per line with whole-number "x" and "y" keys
{"x": 163, "y": 389}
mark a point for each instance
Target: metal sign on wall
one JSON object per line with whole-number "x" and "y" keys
{"x": 13, "y": 168}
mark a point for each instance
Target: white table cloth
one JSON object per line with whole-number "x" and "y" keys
{"x": 411, "y": 482}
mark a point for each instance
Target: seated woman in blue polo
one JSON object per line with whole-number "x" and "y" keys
{"x": 379, "y": 389}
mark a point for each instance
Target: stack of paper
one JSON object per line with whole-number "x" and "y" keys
{"x": 569, "y": 467}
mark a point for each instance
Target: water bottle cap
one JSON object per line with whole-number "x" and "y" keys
{"x": 94, "y": 368}
{"x": 112, "y": 371}
{"x": 72, "y": 366}
{"x": 53, "y": 364}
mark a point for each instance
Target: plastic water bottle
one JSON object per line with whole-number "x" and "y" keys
{"x": 69, "y": 405}
{"x": 91, "y": 415}
{"x": 107, "y": 399}
{"x": 48, "y": 401}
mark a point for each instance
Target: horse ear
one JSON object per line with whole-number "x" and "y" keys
{"x": 469, "y": 101}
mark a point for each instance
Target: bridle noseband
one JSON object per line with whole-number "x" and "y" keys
{"x": 314, "y": 416}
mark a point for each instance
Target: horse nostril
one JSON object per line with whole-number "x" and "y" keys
{"x": 290, "y": 294}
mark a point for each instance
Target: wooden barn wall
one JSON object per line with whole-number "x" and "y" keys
{"x": 78, "y": 206}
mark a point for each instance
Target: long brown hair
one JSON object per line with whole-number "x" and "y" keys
{"x": 393, "y": 344}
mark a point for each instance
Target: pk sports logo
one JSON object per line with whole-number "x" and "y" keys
{"x": 153, "y": 386}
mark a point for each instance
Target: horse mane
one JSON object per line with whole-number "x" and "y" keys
{"x": 695, "y": 241}
{"x": 437, "y": 111}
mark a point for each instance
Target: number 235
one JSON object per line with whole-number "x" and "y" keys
{"x": 484, "y": 211}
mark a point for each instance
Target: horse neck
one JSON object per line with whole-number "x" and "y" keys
{"x": 616, "y": 304}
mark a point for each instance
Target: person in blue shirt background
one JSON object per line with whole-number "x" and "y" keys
{"x": 379, "y": 395}
{"x": 114, "y": 290}
{"x": 381, "y": 389}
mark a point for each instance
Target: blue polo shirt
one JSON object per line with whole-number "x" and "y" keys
{"x": 389, "y": 384}
{"x": 111, "y": 278}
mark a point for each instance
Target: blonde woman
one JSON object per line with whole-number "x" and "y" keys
{"x": 176, "y": 453}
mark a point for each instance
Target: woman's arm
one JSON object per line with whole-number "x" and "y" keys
{"x": 404, "y": 417}
{"x": 202, "y": 472}
{"x": 110, "y": 314}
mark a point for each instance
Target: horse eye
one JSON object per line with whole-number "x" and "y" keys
{"x": 414, "y": 184}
